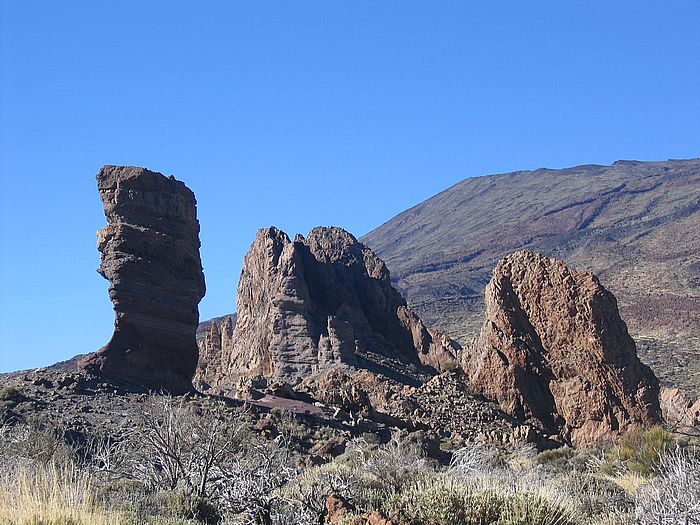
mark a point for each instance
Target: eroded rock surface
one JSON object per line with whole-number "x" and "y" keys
{"x": 326, "y": 300}
{"x": 215, "y": 341}
{"x": 150, "y": 255}
{"x": 554, "y": 350}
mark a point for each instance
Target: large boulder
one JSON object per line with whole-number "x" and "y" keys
{"x": 308, "y": 305}
{"x": 553, "y": 350}
{"x": 150, "y": 255}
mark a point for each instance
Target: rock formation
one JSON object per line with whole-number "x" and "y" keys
{"x": 215, "y": 340}
{"x": 307, "y": 305}
{"x": 680, "y": 413}
{"x": 150, "y": 255}
{"x": 554, "y": 350}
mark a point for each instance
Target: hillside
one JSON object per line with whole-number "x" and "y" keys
{"x": 634, "y": 224}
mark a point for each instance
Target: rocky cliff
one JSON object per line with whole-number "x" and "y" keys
{"x": 150, "y": 255}
{"x": 326, "y": 300}
{"x": 634, "y": 224}
{"x": 553, "y": 350}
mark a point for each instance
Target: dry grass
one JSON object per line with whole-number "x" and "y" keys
{"x": 50, "y": 495}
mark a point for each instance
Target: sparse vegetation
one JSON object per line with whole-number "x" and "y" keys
{"x": 187, "y": 463}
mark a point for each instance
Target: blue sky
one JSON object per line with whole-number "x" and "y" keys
{"x": 297, "y": 114}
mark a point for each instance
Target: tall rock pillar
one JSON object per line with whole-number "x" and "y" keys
{"x": 150, "y": 255}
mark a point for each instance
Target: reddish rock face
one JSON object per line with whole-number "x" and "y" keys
{"x": 553, "y": 349}
{"x": 150, "y": 255}
{"x": 307, "y": 305}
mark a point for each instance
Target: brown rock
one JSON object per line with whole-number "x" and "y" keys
{"x": 554, "y": 349}
{"x": 325, "y": 301}
{"x": 375, "y": 518}
{"x": 337, "y": 507}
{"x": 679, "y": 411}
{"x": 336, "y": 388}
{"x": 150, "y": 255}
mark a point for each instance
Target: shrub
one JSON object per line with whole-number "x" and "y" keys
{"x": 674, "y": 496}
{"x": 641, "y": 450}
{"x": 391, "y": 465}
{"x": 33, "y": 442}
{"x": 526, "y": 509}
{"x": 451, "y": 366}
{"x": 474, "y": 459}
{"x": 441, "y": 502}
{"x": 9, "y": 394}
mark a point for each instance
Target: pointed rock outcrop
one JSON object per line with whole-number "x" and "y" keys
{"x": 150, "y": 255}
{"x": 307, "y": 305}
{"x": 554, "y": 350}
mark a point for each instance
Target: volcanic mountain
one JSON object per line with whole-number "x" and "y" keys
{"x": 634, "y": 224}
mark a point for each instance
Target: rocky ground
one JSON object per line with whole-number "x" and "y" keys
{"x": 441, "y": 415}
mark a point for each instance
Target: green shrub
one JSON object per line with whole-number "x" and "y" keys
{"x": 439, "y": 503}
{"x": 444, "y": 505}
{"x": 641, "y": 450}
{"x": 166, "y": 507}
{"x": 565, "y": 459}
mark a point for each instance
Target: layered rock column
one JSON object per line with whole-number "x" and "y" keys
{"x": 150, "y": 255}
{"x": 553, "y": 349}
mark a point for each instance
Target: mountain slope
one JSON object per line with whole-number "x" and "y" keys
{"x": 634, "y": 224}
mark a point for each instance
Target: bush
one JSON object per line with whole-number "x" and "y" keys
{"x": 391, "y": 465}
{"x": 474, "y": 459}
{"x": 441, "y": 502}
{"x": 451, "y": 366}
{"x": 641, "y": 450}
{"x": 9, "y": 394}
{"x": 673, "y": 496}
{"x": 34, "y": 442}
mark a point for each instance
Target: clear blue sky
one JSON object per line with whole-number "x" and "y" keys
{"x": 297, "y": 114}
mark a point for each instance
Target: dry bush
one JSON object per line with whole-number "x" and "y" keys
{"x": 307, "y": 494}
{"x": 391, "y": 465}
{"x": 474, "y": 459}
{"x": 179, "y": 446}
{"x": 203, "y": 461}
{"x": 33, "y": 442}
{"x": 249, "y": 484}
{"x": 673, "y": 497}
